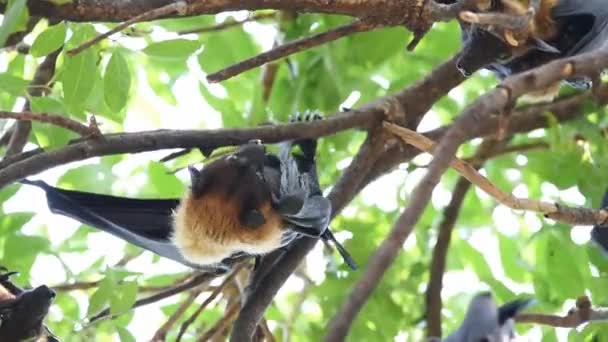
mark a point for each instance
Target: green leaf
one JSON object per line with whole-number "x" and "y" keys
{"x": 13, "y": 85}
{"x": 13, "y": 222}
{"x": 20, "y": 252}
{"x": 172, "y": 49}
{"x": 124, "y": 296}
{"x": 78, "y": 76}
{"x": 565, "y": 263}
{"x": 102, "y": 295}
{"x": 511, "y": 258}
{"x": 473, "y": 257}
{"x": 116, "y": 82}
{"x": 125, "y": 335}
{"x": 49, "y": 40}
{"x": 12, "y": 16}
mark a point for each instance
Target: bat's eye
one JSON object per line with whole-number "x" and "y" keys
{"x": 504, "y": 56}
{"x": 237, "y": 160}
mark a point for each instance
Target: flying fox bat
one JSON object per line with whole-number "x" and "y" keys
{"x": 599, "y": 234}
{"x": 23, "y": 311}
{"x": 484, "y": 321}
{"x": 249, "y": 202}
{"x": 560, "y": 28}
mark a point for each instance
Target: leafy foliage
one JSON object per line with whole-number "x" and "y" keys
{"x": 142, "y": 79}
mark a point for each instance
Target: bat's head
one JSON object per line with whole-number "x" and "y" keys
{"x": 484, "y": 45}
{"x": 230, "y": 174}
{"x": 24, "y": 318}
{"x": 35, "y": 303}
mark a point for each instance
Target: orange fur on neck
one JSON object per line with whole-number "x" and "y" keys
{"x": 207, "y": 229}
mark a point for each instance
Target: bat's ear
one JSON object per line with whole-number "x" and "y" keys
{"x": 543, "y": 46}
{"x": 194, "y": 174}
{"x": 198, "y": 181}
{"x": 252, "y": 218}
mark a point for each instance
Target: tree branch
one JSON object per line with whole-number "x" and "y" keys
{"x": 438, "y": 260}
{"x": 194, "y": 282}
{"x": 165, "y": 139}
{"x": 491, "y": 102}
{"x": 558, "y": 212}
{"x": 53, "y": 119}
{"x": 161, "y": 333}
{"x": 114, "y": 11}
{"x": 583, "y": 313}
{"x": 21, "y": 130}
{"x": 230, "y": 23}
{"x": 208, "y": 301}
{"x": 289, "y": 49}
{"x": 179, "y": 7}
{"x": 342, "y": 192}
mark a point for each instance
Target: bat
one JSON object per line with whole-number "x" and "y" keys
{"x": 484, "y": 321}
{"x": 22, "y": 312}
{"x": 561, "y": 28}
{"x": 249, "y": 202}
{"x": 599, "y": 234}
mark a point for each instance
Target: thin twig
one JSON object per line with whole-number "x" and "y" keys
{"x": 221, "y": 325}
{"x": 161, "y": 333}
{"x": 53, "y": 119}
{"x": 289, "y": 49}
{"x": 569, "y": 215}
{"x": 194, "y": 282}
{"x": 21, "y": 130}
{"x": 230, "y": 23}
{"x": 208, "y": 301}
{"x": 583, "y": 313}
{"x": 269, "y": 337}
{"x": 180, "y": 7}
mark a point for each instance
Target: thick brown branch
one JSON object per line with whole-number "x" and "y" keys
{"x": 166, "y": 139}
{"x": 179, "y": 7}
{"x": 289, "y": 49}
{"x": 492, "y": 102}
{"x": 114, "y": 11}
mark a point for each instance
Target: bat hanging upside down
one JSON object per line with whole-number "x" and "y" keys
{"x": 22, "y": 312}
{"x": 249, "y": 202}
{"x": 559, "y": 28}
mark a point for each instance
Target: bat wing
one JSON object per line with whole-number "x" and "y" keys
{"x": 586, "y": 12}
{"x": 300, "y": 200}
{"x": 146, "y": 223}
